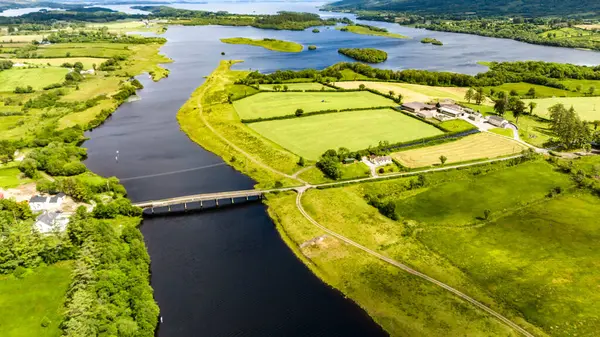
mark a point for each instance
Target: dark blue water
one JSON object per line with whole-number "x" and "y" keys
{"x": 227, "y": 273}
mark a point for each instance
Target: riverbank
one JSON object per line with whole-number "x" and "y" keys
{"x": 270, "y": 44}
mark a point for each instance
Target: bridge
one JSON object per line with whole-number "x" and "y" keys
{"x": 201, "y": 198}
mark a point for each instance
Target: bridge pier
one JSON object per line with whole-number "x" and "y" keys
{"x": 169, "y": 208}
{"x": 232, "y": 202}
{"x": 185, "y": 206}
{"x": 152, "y": 210}
{"x": 217, "y": 202}
{"x": 201, "y": 206}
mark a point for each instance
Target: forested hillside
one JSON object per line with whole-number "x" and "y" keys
{"x": 480, "y": 7}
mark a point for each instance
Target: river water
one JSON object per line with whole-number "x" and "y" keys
{"x": 227, "y": 272}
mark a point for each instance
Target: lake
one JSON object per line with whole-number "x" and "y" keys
{"x": 227, "y": 272}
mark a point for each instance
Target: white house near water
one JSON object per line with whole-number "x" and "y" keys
{"x": 49, "y": 222}
{"x": 44, "y": 203}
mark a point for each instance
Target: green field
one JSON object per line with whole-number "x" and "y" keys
{"x": 311, "y": 136}
{"x": 503, "y": 132}
{"x": 460, "y": 203}
{"x": 544, "y": 260}
{"x": 10, "y": 177}
{"x": 100, "y": 50}
{"x": 540, "y": 90}
{"x": 366, "y": 31}
{"x": 588, "y": 108}
{"x": 25, "y": 302}
{"x": 35, "y": 77}
{"x": 270, "y": 44}
{"x": 298, "y": 86}
{"x": 456, "y": 125}
{"x": 264, "y": 105}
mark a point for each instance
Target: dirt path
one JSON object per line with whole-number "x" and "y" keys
{"x": 408, "y": 269}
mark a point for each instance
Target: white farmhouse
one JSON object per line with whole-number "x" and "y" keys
{"x": 50, "y": 222}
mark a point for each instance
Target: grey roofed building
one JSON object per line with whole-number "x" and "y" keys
{"x": 37, "y": 199}
{"x": 417, "y": 106}
{"x": 497, "y": 121}
{"x": 50, "y": 221}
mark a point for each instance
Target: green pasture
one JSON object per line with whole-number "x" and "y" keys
{"x": 463, "y": 202}
{"x": 311, "y": 136}
{"x": 268, "y": 104}
{"x": 10, "y": 177}
{"x": 100, "y": 50}
{"x": 366, "y": 31}
{"x": 270, "y": 44}
{"x": 540, "y": 90}
{"x": 298, "y": 86}
{"x": 87, "y": 62}
{"x": 584, "y": 84}
{"x": 503, "y": 132}
{"x": 588, "y": 108}
{"x": 543, "y": 260}
{"x": 35, "y": 77}
{"x": 25, "y": 302}
{"x": 456, "y": 125}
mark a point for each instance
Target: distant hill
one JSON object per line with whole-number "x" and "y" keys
{"x": 533, "y": 8}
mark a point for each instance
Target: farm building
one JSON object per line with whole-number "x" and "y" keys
{"x": 497, "y": 121}
{"x": 380, "y": 160}
{"x": 41, "y": 203}
{"x": 450, "y": 112}
{"x": 417, "y": 107}
{"x": 425, "y": 114}
{"x": 50, "y": 221}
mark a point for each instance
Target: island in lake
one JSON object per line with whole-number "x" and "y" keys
{"x": 370, "y": 30}
{"x": 432, "y": 41}
{"x": 271, "y": 44}
{"x": 369, "y": 55}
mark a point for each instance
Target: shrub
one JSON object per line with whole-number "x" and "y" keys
{"x": 312, "y": 47}
{"x": 45, "y": 322}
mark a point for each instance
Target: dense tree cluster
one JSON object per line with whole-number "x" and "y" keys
{"x": 570, "y": 129}
{"x": 5, "y": 64}
{"x": 23, "y": 247}
{"x": 369, "y": 55}
{"x": 110, "y": 293}
{"x": 57, "y": 159}
{"x": 99, "y": 35}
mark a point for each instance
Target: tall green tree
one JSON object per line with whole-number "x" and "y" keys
{"x": 518, "y": 110}
{"x": 568, "y": 127}
{"x": 469, "y": 95}
{"x": 531, "y": 105}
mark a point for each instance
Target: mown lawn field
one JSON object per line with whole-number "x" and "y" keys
{"x": 35, "y": 77}
{"x": 25, "y": 302}
{"x": 588, "y": 108}
{"x": 10, "y": 177}
{"x": 478, "y": 146}
{"x": 298, "y": 86}
{"x": 311, "y": 136}
{"x": 456, "y": 125}
{"x": 100, "y": 50}
{"x": 544, "y": 260}
{"x": 410, "y": 92}
{"x": 88, "y": 62}
{"x": 463, "y": 202}
{"x": 503, "y": 132}
{"x": 268, "y": 104}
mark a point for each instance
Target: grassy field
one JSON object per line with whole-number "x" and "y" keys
{"x": 503, "y": 132}
{"x": 311, "y": 136}
{"x": 478, "y": 146}
{"x": 35, "y": 77}
{"x": 25, "y": 302}
{"x": 285, "y": 103}
{"x": 585, "y": 85}
{"x": 270, "y": 44}
{"x": 588, "y": 108}
{"x": 410, "y": 92}
{"x": 222, "y": 118}
{"x": 298, "y": 86}
{"x": 85, "y": 116}
{"x": 540, "y": 90}
{"x": 21, "y": 38}
{"x": 366, "y": 31}
{"x": 88, "y": 62}
{"x": 99, "y": 50}
{"x": 11, "y": 177}
{"x": 544, "y": 260}
{"x": 401, "y": 303}
{"x": 456, "y": 125}
{"x": 460, "y": 203}
{"x": 94, "y": 86}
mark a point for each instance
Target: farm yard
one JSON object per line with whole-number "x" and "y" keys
{"x": 410, "y": 92}
{"x": 588, "y": 108}
{"x": 311, "y": 136}
{"x": 265, "y": 105}
{"x": 478, "y": 146}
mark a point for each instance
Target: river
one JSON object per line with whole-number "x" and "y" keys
{"x": 227, "y": 272}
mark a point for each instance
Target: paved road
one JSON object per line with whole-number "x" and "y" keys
{"x": 408, "y": 269}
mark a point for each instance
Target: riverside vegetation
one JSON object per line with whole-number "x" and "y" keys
{"x": 400, "y": 217}
{"x": 94, "y": 276}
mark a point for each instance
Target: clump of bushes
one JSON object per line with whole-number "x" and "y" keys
{"x": 369, "y": 55}
{"x": 312, "y": 47}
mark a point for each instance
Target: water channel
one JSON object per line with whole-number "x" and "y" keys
{"x": 227, "y": 272}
